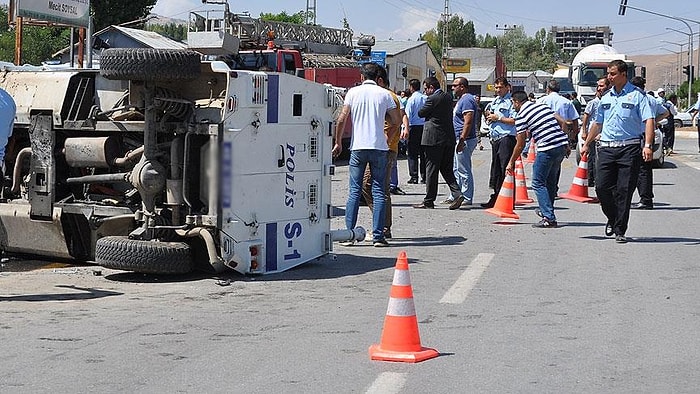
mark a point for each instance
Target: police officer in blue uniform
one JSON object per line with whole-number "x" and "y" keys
{"x": 500, "y": 115}
{"x": 625, "y": 122}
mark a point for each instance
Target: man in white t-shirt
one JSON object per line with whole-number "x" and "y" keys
{"x": 367, "y": 105}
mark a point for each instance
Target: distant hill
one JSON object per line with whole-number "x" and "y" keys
{"x": 164, "y": 20}
{"x": 662, "y": 70}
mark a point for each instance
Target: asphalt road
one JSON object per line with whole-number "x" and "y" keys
{"x": 510, "y": 308}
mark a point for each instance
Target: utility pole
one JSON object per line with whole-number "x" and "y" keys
{"x": 445, "y": 30}
{"x": 311, "y": 12}
{"x": 623, "y": 8}
{"x": 680, "y": 57}
{"x": 506, "y": 29}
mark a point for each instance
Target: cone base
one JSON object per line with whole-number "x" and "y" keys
{"x": 574, "y": 197}
{"x": 502, "y": 214}
{"x": 379, "y": 354}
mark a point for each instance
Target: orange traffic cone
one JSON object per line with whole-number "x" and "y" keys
{"x": 531, "y": 152}
{"x": 504, "y": 203}
{"x": 579, "y": 186}
{"x": 400, "y": 337}
{"x": 521, "y": 197}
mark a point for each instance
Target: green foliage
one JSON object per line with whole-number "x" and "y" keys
{"x": 459, "y": 35}
{"x": 298, "y": 18}
{"x": 682, "y": 93}
{"x": 7, "y": 37}
{"x": 174, "y": 31}
{"x": 519, "y": 51}
{"x": 40, "y": 42}
{"x": 115, "y": 12}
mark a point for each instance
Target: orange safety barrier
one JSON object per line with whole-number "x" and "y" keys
{"x": 579, "y": 186}
{"x": 504, "y": 203}
{"x": 531, "y": 152}
{"x": 400, "y": 338}
{"x": 521, "y": 197}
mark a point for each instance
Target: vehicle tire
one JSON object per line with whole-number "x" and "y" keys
{"x": 148, "y": 257}
{"x": 147, "y": 64}
{"x": 678, "y": 123}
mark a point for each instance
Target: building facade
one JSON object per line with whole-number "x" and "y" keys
{"x": 572, "y": 39}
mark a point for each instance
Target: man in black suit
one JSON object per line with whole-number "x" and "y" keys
{"x": 438, "y": 143}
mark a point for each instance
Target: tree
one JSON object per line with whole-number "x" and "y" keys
{"x": 40, "y": 42}
{"x": 114, "y": 12}
{"x": 519, "y": 51}
{"x": 459, "y": 35}
{"x": 174, "y": 31}
{"x": 7, "y": 37}
{"x": 299, "y": 18}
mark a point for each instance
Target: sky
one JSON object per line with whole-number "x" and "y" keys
{"x": 636, "y": 33}
{"x": 633, "y": 34}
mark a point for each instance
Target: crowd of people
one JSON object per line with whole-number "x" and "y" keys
{"x": 442, "y": 132}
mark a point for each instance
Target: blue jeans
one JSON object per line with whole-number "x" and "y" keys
{"x": 463, "y": 169}
{"x": 545, "y": 179}
{"x": 377, "y": 160}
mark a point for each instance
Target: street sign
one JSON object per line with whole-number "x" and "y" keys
{"x": 457, "y": 65}
{"x": 378, "y": 57}
{"x": 69, "y": 12}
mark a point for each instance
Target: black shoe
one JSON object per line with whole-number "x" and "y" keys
{"x": 538, "y": 213}
{"x": 387, "y": 233}
{"x": 456, "y": 203}
{"x": 422, "y": 181}
{"x": 397, "y": 191}
{"x": 424, "y": 205}
{"x": 380, "y": 243}
{"x": 413, "y": 181}
{"x": 545, "y": 223}
{"x": 488, "y": 204}
{"x": 640, "y": 205}
{"x": 621, "y": 239}
{"x": 609, "y": 229}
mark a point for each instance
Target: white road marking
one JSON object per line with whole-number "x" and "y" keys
{"x": 466, "y": 282}
{"x": 693, "y": 164}
{"x": 388, "y": 383}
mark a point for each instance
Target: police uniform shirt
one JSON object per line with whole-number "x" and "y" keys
{"x": 502, "y": 106}
{"x": 560, "y": 104}
{"x": 622, "y": 114}
{"x": 413, "y": 105}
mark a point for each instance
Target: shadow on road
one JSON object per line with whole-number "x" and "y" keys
{"x": 135, "y": 277}
{"x": 668, "y": 240}
{"x": 84, "y": 294}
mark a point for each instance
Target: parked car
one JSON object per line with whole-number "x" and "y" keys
{"x": 681, "y": 119}
{"x": 485, "y": 101}
{"x": 684, "y": 119}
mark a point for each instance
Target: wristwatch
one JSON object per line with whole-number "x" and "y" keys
{"x": 647, "y": 146}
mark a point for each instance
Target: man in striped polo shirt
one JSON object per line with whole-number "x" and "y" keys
{"x": 552, "y": 146}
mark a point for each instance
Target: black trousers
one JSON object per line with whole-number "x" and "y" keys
{"x": 439, "y": 158}
{"x": 415, "y": 153}
{"x": 645, "y": 183}
{"x": 501, "y": 150}
{"x": 616, "y": 179}
{"x": 669, "y": 132}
